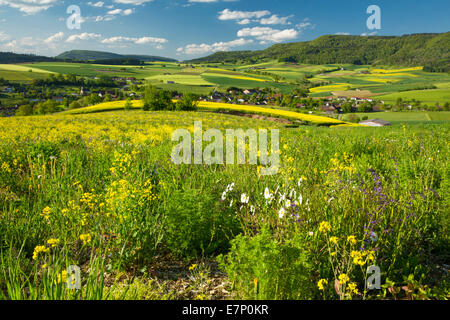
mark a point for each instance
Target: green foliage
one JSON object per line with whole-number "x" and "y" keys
{"x": 262, "y": 267}
{"x": 24, "y": 110}
{"x": 196, "y": 224}
{"x": 187, "y": 103}
{"x": 155, "y": 100}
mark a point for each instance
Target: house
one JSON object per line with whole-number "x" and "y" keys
{"x": 375, "y": 123}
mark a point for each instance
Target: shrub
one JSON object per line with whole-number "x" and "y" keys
{"x": 196, "y": 224}
{"x": 262, "y": 267}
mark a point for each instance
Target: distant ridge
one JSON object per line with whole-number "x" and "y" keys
{"x": 431, "y": 50}
{"x": 87, "y": 55}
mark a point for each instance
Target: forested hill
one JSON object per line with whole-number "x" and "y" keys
{"x": 430, "y": 50}
{"x": 86, "y": 55}
{"x": 9, "y": 57}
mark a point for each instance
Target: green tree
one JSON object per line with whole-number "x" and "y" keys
{"x": 187, "y": 103}
{"x": 24, "y": 110}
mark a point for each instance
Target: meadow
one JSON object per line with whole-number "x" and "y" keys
{"x": 99, "y": 191}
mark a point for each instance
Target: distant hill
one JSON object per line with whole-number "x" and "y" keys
{"x": 429, "y": 50}
{"x": 86, "y": 55}
{"x": 9, "y": 57}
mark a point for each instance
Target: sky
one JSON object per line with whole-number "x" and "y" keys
{"x": 187, "y": 29}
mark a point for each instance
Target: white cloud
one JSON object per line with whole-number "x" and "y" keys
{"x": 268, "y": 34}
{"x": 97, "y": 4}
{"x": 142, "y": 40}
{"x": 29, "y": 6}
{"x": 274, "y": 19}
{"x": 83, "y": 36}
{"x": 342, "y": 33}
{"x": 365, "y": 34}
{"x": 203, "y": 1}
{"x": 215, "y": 47}
{"x": 133, "y": 2}
{"x": 4, "y": 36}
{"x": 54, "y": 38}
{"x": 241, "y": 15}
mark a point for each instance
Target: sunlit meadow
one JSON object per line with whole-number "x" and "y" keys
{"x": 99, "y": 191}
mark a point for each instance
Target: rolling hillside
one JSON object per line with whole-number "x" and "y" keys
{"x": 429, "y": 50}
{"x": 86, "y": 55}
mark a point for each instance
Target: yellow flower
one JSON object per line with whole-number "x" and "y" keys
{"x": 61, "y": 277}
{"x": 343, "y": 278}
{"x": 46, "y": 213}
{"x": 324, "y": 226}
{"x": 351, "y": 239}
{"x": 193, "y": 267}
{"x": 53, "y": 242}
{"x": 352, "y": 287}
{"x": 86, "y": 238}
{"x": 334, "y": 240}
{"x": 38, "y": 250}
{"x": 321, "y": 284}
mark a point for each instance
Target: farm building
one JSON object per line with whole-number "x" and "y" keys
{"x": 375, "y": 123}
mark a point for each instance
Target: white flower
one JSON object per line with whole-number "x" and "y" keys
{"x": 311, "y": 233}
{"x": 331, "y": 199}
{"x": 267, "y": 193}
{"x": 288, "y": 203}
{"x": 224, "y": 195}
{"x": 281, "y": 213}
{"x": 373, "y": 236}
{"x": 244, "y": 198}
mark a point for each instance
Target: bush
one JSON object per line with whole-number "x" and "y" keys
{"x": 351, "y": 118}
{"x": 155, "y": 99}
{"x": 24, "y": 110}
{"x": 187, "y": 103}
{"x": 261, "y": 267}
{"x": 197, "y": 225}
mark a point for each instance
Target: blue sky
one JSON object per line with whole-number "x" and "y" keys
{"x": 185, "y": 29}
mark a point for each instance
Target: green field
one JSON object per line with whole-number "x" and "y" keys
{"x": 408, "y": 116}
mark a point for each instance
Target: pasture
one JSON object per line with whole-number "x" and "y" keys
{"x": 100, "y": 191}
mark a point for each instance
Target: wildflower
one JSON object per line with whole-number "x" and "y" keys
{"x": 334, "y": 240}
{"x": 193, "y": 267}
{"x": 61, "y": 277}
{"x": 282, "y": 198}
{"x": 281, "y": 213}
{"x": 311, "y": 233}
{"x": 324, "y": 226}
{"x": 86, "y": 238}
{"x": 343, "y": 278}
{"x": 244, "y": 198}
{"x": 46, "y": 213}
{"x": 352, "y": 287}
{"x": 267, "y": 193}
{"x": 231, "y": 203}
{"x": 38, "y": 250}
{"x": 288, "y": 203}
{"x": 351, "y": 239}
{"x": 53, "y": 242}
{"x": 373, "y": 236}
{"x": 321, "y": 284}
